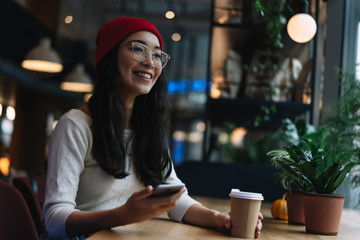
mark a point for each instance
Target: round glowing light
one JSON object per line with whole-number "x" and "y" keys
{"x": 200, "y": 126}
{"x": 179, "y": 135}
{"x": 301, "y": 28}
{"x": 68, "y": 19}
{"x": 223, "y": 138}
{"x": 195, "y": 137}
{"x": 169, "y": 14}
{"x": 10, "y": 113}
{"x": 176, "y": 37}
{"x": 4, "y": 165}
{"x": 1, "y": 108}
{"x": 215, "y": 92}
{"x": 237, "y": 136}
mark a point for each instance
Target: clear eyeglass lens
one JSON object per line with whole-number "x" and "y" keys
{"x": 141, "y": 53}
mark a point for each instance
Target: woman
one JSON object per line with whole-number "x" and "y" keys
{"x": 105, "y": 157}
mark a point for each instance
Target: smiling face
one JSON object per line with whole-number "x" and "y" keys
{"x": 137, "y": 78}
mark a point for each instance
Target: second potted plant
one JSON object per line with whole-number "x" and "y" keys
{"x": 291, "y": 133}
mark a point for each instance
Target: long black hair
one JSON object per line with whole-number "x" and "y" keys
{"x": 149, "y": 123}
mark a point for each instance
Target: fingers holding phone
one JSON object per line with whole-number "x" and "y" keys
{"x": 164, "y": 190}
{"x": 167, "y": 195}
{"x": 141, "y": 206}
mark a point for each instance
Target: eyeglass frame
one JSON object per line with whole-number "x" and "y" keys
{"x": 152, "y": 53}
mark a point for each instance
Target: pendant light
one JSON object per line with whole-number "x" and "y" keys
{"x": 43, "y": 59}
{"x": 77, "y": 80}
{"x": 302, "y": 27}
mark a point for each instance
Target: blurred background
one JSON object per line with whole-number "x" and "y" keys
{"x": 234, "y": 77}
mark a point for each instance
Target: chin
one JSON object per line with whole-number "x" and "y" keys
{"x": 144, "y": 92}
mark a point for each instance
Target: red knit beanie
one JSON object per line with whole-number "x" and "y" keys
{"x": 113, "y": 32}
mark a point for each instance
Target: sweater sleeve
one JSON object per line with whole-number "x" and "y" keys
{"x": 185, "y": 201}
{"x": 67, "y": 150}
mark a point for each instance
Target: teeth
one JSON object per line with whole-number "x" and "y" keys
{"x": 145, "y": 75}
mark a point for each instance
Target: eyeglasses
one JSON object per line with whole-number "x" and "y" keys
{"x": 142, "y": 52}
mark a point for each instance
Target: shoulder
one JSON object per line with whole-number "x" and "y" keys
{"x": 77, "y": 117}
{"x": 74, "y": 123}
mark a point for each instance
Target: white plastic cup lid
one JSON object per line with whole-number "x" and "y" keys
{"x": 246, "y": 195}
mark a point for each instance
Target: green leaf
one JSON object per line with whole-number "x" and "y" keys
{"x": 295, "y": 174}
{"x": 340, "y": 178}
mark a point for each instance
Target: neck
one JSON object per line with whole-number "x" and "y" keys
{"x": 128, "y": 104}
{"x": 85, "y": 109}
{"x": 128, "y": 117}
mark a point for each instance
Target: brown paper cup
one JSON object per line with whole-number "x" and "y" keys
{"x": 245, "y": 210}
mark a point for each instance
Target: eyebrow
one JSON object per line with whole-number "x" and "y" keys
{"x": 142, "y": 42}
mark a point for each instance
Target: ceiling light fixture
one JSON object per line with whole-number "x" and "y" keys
{"x": 169, "y": 14}
{"x": 43, "y": 59}
{"x": 302, "y": 27}
{"x": 176, "y": 37}
{"x": 77, "y": 80}
{"x": 68, "y": 19}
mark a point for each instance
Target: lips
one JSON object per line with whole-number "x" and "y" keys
{"x": 144, "y": 75}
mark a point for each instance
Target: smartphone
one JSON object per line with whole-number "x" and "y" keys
{"x": 163, "y": 190}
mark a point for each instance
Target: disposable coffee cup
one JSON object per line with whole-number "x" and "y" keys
{"x": 245, "y": 208}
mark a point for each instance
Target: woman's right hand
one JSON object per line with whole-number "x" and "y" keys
{"x": 140, "y": 207}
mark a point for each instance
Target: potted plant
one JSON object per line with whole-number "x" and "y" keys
{"x": 323, "y": 163}
{"x": 291, "y": 133}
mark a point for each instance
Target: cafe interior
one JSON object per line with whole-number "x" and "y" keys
{"x": 245, "y": 77}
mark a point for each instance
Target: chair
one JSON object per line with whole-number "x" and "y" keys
{"x": 15, "y": 218}
{"x": 33, "y": 191}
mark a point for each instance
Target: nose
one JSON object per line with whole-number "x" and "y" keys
{"x": 149, "y": 61}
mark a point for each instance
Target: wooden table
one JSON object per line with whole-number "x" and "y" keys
{"x": 163, "y": 228}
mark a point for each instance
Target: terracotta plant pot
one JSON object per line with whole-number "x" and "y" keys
{"x": 295, "y": 207}
{"x": 323, "y": 213}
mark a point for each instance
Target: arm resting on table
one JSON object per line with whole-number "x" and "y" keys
{"x": 200, "y": 215}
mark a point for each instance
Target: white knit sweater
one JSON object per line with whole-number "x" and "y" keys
{"x": 75, "y": 182}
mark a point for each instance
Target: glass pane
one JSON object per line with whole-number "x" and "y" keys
{"x": 358, "y": 52}
{"x": 351, "y": 40}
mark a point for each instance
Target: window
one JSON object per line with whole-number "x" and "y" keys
{"x": 351, "y": 40}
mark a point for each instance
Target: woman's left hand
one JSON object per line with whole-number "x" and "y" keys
{"x": 223, "y": 222}
{"x": 200, "y": 215}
